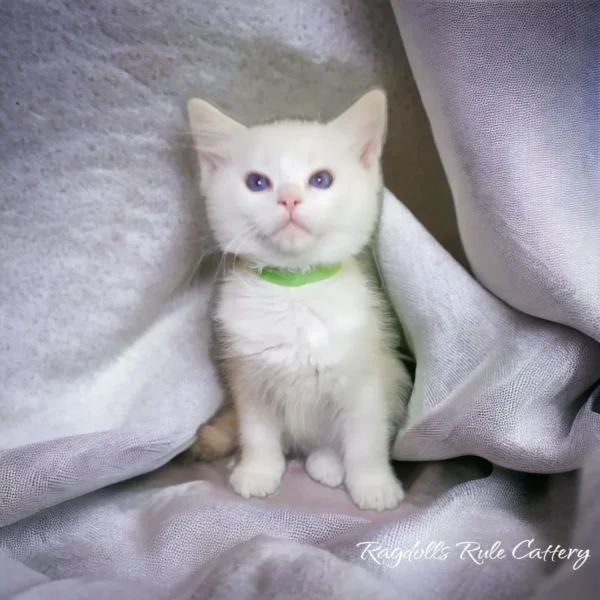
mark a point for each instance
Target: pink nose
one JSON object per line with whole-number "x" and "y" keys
{"x": 290, "y": 201}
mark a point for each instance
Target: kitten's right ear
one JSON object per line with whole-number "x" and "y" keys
{"x": 365, "y": 122}
{"x": 211, "y": 130}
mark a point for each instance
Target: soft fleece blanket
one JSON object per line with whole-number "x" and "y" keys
{"x": 104, "y": 372}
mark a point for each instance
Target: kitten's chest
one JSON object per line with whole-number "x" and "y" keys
{"x": 317, "y": 326}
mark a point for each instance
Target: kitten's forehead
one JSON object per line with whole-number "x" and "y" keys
{"x": 305, "y": 141}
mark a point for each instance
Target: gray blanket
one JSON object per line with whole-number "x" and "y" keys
{"x": 104, "y": 370}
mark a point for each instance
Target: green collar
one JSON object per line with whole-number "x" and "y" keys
{"x": 289, "y": 278}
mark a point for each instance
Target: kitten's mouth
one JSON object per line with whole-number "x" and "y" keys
{"x": 290, "y": 237}
{"x": 291, "y": 225}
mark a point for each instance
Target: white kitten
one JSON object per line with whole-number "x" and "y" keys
{"x": 309, "y": 357}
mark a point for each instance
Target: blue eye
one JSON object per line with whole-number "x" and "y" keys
{"x": 256, "y": 182}
{"x": 321, "y": 179}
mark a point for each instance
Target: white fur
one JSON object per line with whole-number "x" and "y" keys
{"x": 316, "y": 369}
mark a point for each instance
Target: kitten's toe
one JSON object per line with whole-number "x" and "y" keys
{"x": 375, "y": 491}
{"x": 256, "y": 479}
{"x": 325, "y": 467}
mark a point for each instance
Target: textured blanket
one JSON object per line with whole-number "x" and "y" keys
{"x": 104, "y": 370}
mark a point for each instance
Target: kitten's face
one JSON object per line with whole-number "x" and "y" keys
{"x": 292, "y": 193}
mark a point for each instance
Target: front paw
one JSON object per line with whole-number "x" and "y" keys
{"x": 375, "y": 491}
{"x": 326, "y": 467}
{"x": 258, "y": 479}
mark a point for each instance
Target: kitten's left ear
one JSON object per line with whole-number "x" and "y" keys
{"x": 365, "y": 122}
{"x": 211, "y": 130}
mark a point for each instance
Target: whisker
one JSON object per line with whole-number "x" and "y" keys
{"x": 197, "y": 266}
{"x": 237, "y": 240}
{"x": 251, "y": 235}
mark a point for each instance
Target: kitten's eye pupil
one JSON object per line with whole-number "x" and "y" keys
{"x": 321, "y": 179}
{"x": 256, "y": 182}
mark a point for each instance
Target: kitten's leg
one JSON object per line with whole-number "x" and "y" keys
{"x": 262, "y": 463}
{"x": 370, "y": 479}
{"x": 325, "y": 466}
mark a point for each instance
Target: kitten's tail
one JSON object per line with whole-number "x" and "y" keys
{"x": 217, "y": 438}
